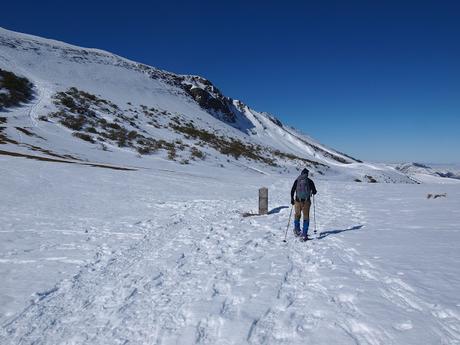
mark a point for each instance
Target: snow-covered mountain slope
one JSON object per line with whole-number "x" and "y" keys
{"x": 91, "y": 105}
{"x": 431, "y": 173}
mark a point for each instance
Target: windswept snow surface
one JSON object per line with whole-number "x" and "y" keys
{"x": 163, "y": 256}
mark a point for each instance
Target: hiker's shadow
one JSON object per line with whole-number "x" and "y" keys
{"x": 334, "y": 232}
{"x": 277, "y": 209}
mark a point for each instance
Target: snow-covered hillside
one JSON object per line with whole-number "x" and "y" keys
{"x": 437, "y": 173}
{"x": 91, "y": 105}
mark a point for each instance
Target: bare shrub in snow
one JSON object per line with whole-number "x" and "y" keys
{"x": 435, "y": 196}
{"x": 84, "y": 136}
{"x": 227, "y": 146}
{"x": 196, "y": 153}
{"x": 370, "y": 179}
{"x": 14, "y": 90}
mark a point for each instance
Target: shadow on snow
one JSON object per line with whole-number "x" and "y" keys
{"x": 334, "y": 232}
{"x": 277, "y": 209}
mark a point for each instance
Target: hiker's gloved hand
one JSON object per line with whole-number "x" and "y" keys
{"x": 292, "y": 202}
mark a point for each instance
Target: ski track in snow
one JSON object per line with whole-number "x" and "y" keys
{"x": 201, "y": 274}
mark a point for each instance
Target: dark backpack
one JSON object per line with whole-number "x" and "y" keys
{"x": 303, "y": 188}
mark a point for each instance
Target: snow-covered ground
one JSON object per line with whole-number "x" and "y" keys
{"x": 163, "y": 256}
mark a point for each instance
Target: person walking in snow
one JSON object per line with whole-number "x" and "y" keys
{"x": 303, "y": 188}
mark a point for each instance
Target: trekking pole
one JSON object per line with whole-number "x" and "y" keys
{"x": 289, "y": 222}
{"x": 314, "y": 213}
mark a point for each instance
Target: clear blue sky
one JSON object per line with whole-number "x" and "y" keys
{"x": 379, "y": 80}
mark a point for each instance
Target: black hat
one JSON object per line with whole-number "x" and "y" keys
{"x": 305, "y": 171}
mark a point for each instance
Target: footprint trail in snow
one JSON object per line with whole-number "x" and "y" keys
{"x": 202, "y": 274}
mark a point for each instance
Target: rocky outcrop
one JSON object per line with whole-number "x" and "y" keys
{"x": 209, "y": 97}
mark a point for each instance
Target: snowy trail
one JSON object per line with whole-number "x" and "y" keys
{"x": 149, "y": 293}
{"x": 202, "y": 274}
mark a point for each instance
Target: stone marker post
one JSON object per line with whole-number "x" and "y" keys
{"x": 263, "y": 200}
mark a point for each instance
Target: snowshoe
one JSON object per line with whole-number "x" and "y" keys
{"x": 306, "y": 238}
